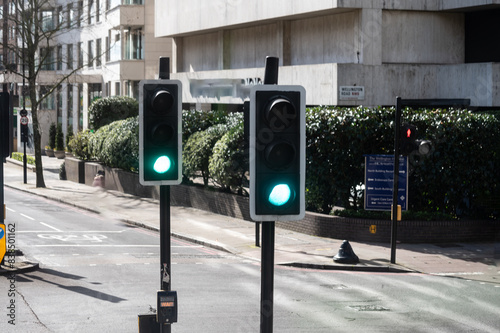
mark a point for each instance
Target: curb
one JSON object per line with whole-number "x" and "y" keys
{"x": 21, "y": 267}
{"x": 376, "y": 269}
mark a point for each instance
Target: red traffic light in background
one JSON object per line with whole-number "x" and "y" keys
{"x": 409, "y": 142}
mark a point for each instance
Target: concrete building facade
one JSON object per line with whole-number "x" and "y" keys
{"x": 344, "y": 52}
{"x": 108, "y": 46}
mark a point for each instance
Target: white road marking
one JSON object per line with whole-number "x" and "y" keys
{"x": 10, "y": 209}
{"x": 73, "y": 231}
{"x": 93, "y": 245}
{"x": 51, "y": 227}
{"x": 26, "y": 216}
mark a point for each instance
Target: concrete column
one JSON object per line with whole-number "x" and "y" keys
{"x": 284, "y": 43}
{"x": 370, "y": 37}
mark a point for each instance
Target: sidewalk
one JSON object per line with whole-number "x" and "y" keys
{"x": 478, "y": 261}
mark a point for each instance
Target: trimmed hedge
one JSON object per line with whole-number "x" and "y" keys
{"x": 117, "y": 144}
{"x": 79, "y": 145}
{"x": 104, "y": 111}
{"x": 460, "y": 177}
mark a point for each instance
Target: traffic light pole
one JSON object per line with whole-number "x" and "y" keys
{"x": 165, "y": 227}
{"x": 267, "y": 277}
{"x": 165, "y": 246}
{"x": 394, "y": 222}
{"x": 268, "y": 235}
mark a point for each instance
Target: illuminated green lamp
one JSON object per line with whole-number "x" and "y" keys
{"x": 280, "y": 195}
{"x": 162, "y": 164}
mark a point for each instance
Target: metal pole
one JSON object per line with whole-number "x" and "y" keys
{"x": 25, "y": 159}
{"x": 394, "y": 222}
{"x": 267, "y": 279}
{"x": 268, "y": 232}
{"x": 165, "y": 246}
{"x": 257, "y": 234}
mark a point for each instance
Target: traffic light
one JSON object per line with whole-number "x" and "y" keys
{"x": 408, "y": 139}
{"x": 5, "y": 123}
{"x": 160, "y": 132}
{"x": 277, "y": 153}
{"x": 410, "y": 143}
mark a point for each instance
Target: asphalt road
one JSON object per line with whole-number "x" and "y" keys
{"x": 97, "y": 275}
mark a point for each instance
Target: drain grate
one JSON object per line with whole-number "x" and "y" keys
{"x": 368, "y": 308}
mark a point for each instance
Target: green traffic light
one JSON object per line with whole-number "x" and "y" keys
{"x": 280, "y": 195}
{"x": 162, "y": 164}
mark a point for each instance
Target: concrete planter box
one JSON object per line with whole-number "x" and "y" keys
{"x": 75, "y": 170}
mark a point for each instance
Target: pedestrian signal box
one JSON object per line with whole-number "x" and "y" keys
{"x": 166, "y": 311}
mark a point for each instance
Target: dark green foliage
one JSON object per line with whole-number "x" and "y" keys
{"x": 229, "y": 161}
{"x": 196, "y": 121}
{"x": 52, "y": 135}
{"x": 337, "y": 140}
{"x": 198, "y": 149}
{"x": 79, "y": 145}
{"x": 461, "y": 175}
{"x": 59, "y": 138}
{"x": 105, "y": 110}
{"x": 69, "y": 135}
{"x": 117, "y": 144}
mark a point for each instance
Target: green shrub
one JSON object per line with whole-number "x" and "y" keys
{"x": 117, "y": 144}
{"x": 69, "y": 136}
{"x": 196, "y": 121}
{"x": 198, "y": 149}
{"x": 104, "y": 111}
{"x": 229, "y": 161}
{"x": 52, "y": 135}
{"x": 462, "y": 170}
{"x": 337, "y": 140}
{"x": 59, "y": 138}
{"x": 20, "y": 157}
{"x": 79, "y": 145}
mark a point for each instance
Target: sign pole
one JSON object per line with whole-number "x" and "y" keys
{"x": 394, "y": 221}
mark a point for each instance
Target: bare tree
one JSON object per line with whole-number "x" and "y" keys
{"x": 39, "y": 24}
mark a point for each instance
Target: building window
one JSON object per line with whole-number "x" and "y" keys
{"x": 70, "y": 56}
{"x": 59, "y": 57}
{"x": 71, "y": 16}
{"x": 80, "y": 54}
{"x": 98, "y": 52}
{"x": 80, "y": 14}
{"x": 90, "y": 53}
{"x": 47, "y": 18}
{"x": 134, "y": 48}
{"x": 97, "y": 11}
{"x": 117, "y": 89}
{"x": 115, "y": 48}
{"x": 48, "y": 102}
{"x": 91, "y": 12}
{"x": 107, "y": 49}
{"x": 47, "y": 59}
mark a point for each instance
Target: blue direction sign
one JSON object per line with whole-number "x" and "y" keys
{"x": 379, "y": 175}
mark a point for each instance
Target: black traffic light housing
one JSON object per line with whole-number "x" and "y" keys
{"x": 410, "y": 143}
{"x": 160, "y": 132}
{"x": 277, "y": 153}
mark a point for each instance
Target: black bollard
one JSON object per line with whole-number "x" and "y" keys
{"x": 346, "y": 254}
